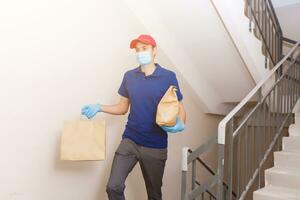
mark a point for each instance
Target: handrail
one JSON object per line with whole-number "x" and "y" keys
{"x": 262, "y": 13}
{"x": 289, "y": 40}
{"x": 274, "y": 16}
{"x": 233, "y": 112}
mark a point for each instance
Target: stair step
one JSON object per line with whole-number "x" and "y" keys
{"x": 291, "y": 144}
{"x": 296, "y": 108}
{"x": 287, "y": 159}
{"x": 283, "y": 177}
{"x": 283, "y": 181}
{"x": 297, "y": 116}
{"x": 294, "y": 130}
{"x": 276, "y": 193}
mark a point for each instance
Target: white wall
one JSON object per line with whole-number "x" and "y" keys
{"x": 56, "y": 56}
{"x": 288, "y": 17}
{"x": 282, "y": 3}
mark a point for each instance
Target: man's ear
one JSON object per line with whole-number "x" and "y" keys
{"x": 154, "y": 51}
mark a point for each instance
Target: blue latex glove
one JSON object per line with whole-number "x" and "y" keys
{"x": 179, "y": 126}
{"x": 90, "y": 110}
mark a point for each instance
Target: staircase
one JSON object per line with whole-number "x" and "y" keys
{"x": 246, "y": 140}
{"x": 283, "y": 180}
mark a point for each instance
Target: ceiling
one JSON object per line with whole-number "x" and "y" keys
{"x": 282, "y": 3}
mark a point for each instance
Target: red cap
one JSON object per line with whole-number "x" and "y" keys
{"x": 148, "y": 39}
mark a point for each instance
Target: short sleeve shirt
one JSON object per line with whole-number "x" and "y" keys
{"x": 144, "y": 94}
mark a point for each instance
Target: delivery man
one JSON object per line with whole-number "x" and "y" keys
{"x": 143, "y": 140}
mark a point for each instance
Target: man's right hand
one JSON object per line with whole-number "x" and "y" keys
{"x": 90, "y": 110}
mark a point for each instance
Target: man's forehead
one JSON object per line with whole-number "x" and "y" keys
{"x": 141, "y": 44}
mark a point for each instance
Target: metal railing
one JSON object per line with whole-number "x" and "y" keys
{"x": 197, "y": 189}
{"x": 267, "y": 28}
{"x": 243, "y": 147}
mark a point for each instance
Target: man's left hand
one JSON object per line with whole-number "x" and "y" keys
{"x": 179, "y": 126}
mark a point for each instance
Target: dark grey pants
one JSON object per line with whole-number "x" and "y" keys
{"x": 152, "y": 162}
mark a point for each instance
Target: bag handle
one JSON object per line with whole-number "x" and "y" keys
{"x": 174, "y": 87}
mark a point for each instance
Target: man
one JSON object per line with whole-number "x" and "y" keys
{"x": 143, "y": 140}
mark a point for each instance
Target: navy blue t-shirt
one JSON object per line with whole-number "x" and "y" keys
{"x": 144, "y": 94}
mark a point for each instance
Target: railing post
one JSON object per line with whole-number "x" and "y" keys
{"x": 184, "y": 169}
{"x": 250, "y": 14}
{"x": 220, "y": 171}
{"x": 230, "y": 155}
{"x": 193, "y": 175}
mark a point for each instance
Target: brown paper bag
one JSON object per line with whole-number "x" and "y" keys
{"x": 168, "y": 107}
{"x": 83, "y": 140}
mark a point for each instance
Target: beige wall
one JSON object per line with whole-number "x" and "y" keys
{"x": 56, "y": 56}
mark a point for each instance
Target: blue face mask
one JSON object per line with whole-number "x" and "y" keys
{"x": 144, "y": 57}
